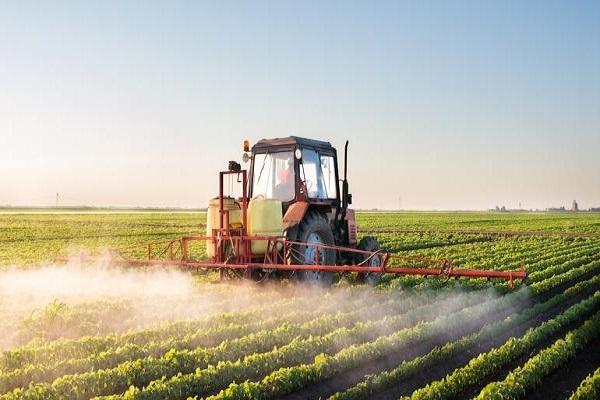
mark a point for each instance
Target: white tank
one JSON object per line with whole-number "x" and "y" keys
{"x": 213, "y": 218}
{"x": 264, "y": 219}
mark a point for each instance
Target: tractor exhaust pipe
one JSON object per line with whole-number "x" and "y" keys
{"x": 345, "y": 196}
{"x": 346, "y": 161}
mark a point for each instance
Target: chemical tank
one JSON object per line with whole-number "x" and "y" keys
{"x": 264, "y": 219}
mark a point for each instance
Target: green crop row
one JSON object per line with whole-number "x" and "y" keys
{"x": 555, "y": 280}
{"x": 385, "y": 379}
{"x": 502, "y": 257}
{"x": 216, "y": 377}
{"x": 39, "y": 373}
{"x": 30, "y": 238}
{"x": 589, "y": 388}
{"x": 85, "y": 346}
{"x": 266, "y": 303}
{"x": 487, "y": 363}
{"x": 139, "y": 372}
{"x": 439, "y": 222}
{"x": 530, "y": 375}
{"x": 287, "y": 380}
{"x": 555, "y": 269}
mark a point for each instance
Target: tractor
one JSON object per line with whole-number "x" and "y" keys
{"x": 304, "y": 175}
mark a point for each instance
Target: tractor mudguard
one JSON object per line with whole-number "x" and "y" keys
{"x": 294, "y": 214}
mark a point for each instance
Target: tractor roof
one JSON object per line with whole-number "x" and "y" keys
{"x": 292, "y": 141}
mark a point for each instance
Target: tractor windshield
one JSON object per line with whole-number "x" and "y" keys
{"x": 274, "y": 175}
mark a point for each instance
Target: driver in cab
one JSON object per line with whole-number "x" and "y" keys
{"x": 284, "y": 189}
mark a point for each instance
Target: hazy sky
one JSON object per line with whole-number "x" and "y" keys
{"x": 447, "y": 105}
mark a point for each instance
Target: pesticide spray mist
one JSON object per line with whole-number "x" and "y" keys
{"x": 75, "y": 300}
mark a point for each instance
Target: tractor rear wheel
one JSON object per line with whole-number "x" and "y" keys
{"x": 314, "y": 229}
{"x": 369, "y": 243}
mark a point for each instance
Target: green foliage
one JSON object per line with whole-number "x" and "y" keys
{"x": 487, "y": 363}
{"x": 530, "y": 375}
{"x": 279, "y": 346}
{"x": 589, "y": 389}
{"x": 31, "y": 238}
{"x": 409, "y": 368}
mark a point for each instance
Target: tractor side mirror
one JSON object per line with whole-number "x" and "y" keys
{"x": 349, "y": 198}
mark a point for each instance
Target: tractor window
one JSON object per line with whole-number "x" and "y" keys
{"x": 313, "y": 175}
{"x": 328, "y": 169}
{"x": 274, "y": 176}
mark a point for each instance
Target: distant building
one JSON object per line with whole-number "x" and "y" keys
{"x": 574, "y": 206}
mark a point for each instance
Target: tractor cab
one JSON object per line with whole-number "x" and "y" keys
{"x": 295, "y": 169}
{"x": 303, "y": 174}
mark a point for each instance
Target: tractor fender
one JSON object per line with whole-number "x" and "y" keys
{"x": 294, "y": 214}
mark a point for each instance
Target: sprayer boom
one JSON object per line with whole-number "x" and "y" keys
{"x": 176, "y": 253}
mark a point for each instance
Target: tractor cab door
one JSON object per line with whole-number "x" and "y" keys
{"x": 296, "y": 173}
{"x": 274, "y": 176}
{"x": 318, "y": 172}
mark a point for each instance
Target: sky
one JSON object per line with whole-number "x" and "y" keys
{"x": 447, "y": 105}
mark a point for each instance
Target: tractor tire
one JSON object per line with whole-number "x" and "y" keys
{"x": 314, "y": 228}
{"x": 369, "y": 243}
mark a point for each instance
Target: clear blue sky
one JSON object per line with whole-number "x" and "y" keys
{"x": 447, "y": 105}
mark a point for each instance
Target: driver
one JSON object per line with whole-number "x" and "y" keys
{"x": 284, "y": 189}
{"x": 285, "y": 173}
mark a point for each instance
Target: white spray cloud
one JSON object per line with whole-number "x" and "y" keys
{"x": 75, "y": 299}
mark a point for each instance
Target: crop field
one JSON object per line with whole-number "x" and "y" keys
{"x": 79, "y": 331}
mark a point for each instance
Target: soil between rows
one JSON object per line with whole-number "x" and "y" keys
{"x": 501, "y": 374}
{"x": 349, "y": 378}
{"x": 565, "y": 380}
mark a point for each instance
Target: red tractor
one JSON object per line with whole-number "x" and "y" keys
{"x": 304, "y": 175}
